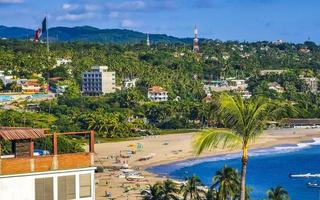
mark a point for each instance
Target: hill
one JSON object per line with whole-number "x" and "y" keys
{"x": 91, "y": 34}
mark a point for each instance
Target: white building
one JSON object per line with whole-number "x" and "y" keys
{"x": 276, "y": 86}
{"x": 62, "y": 61}
{"x": 130, "y": 83}
{"x": 27, "y": 175}
{"x": 98, "y": 81}
{"x": 6, "y": 79}
{"x": 157, "y": 94}
{"x": 238, "y": 84}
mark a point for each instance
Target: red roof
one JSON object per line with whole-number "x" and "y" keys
{"x": 156, "y": 89}
{"x": 12, "y": 133}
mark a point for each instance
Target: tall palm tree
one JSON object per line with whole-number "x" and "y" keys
{"x": 245, "y": 120}
{"x": 190, "y": 190}
{"x": 153, "y": 193}
{"x": 168, "y": 190}
{"x": 278, "y": 193}
{"x": 227, "y": 180}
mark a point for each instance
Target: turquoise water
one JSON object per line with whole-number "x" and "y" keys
{"x": 266, "y": 168}
{"x": 6, "y": 98}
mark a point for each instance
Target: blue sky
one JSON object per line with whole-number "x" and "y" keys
{"x": 250, "y": 20}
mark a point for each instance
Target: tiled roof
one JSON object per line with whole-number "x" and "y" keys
{"x": 156, "y": 89}
{"x": 10, "y": 133}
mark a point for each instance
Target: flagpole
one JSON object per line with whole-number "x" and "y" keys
{"x": 47, "y": 34}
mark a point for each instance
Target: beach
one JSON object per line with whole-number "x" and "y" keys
{"x": 155, "y": 150}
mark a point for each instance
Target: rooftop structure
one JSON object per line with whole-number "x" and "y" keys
{"x": 157, "y": 94}
{"x": 44, "y": 174}
{"x": 98, "y": 81}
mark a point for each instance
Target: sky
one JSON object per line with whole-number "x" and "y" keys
{"x": 242, "y": 20}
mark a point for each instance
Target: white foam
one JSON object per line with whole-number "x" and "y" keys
{"x": 252, "y": 153}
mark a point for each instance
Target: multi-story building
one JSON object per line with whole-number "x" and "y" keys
{"x": 98, "y": 81}
{"x": 32, "y": 174}
{"x": 157, "y": 94}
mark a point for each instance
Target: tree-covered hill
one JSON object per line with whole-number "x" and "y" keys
{"x": 91, "y": 34}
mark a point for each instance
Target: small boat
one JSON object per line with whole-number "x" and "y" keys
{"x": 307, "y": 175}
{"x": 313, "y": 185}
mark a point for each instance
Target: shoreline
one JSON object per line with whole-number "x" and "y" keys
{"x": 175, "y": 148}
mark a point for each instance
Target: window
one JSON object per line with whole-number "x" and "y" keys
{"x": 44, "y": 188}
{"x": 85, "y": 185}
{"x": 66, "y": 187}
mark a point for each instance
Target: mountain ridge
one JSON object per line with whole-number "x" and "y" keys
{"x": 91, "y": 34}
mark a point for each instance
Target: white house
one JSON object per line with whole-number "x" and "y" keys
{"x": 157, "y": 94}
{"x": 130, "y": 83}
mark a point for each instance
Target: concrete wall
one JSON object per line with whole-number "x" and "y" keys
{"x": 22, "y": 186}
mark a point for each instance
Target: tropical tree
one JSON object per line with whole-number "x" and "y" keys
{"x": 211, "y": 194}
{"x": 278, "y": 193}
{"x": 168, "y": 190}
{"x": 227, "y": 180}
{"x": 153, "y": 193}
{"x": 245, "y": 120}
{"x": 190, "y": 190}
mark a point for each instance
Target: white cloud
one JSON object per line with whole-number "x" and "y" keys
{"x": 70, "y": 7}
{"x": 128, "y": 23}
{"x": 11, "y": 1}
{"x": 75, "y": 17}
{"x": 127, "y": 5}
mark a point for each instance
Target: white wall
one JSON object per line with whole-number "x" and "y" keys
{"x": 22, "y": 186}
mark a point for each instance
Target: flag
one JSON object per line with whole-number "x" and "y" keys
{"x": 39, "y": 31}
{"x": 44, "y": 25}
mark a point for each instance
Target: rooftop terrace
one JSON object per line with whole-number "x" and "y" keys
{"x": 24, "y": 159}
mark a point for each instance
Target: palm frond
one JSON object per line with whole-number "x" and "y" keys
{"x": 213, "y": 138}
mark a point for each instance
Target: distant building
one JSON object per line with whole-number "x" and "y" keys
{"x": 129, "y": 83}
{"x": 98, "y": 81}
{"x": 302, "y": 123}
{"x": 276, "y": 86}
{"x": 62, "y": 61}
{"x": 238, "y": 84}
{"x": 38, "y": 174}
{"x": 6, "y": 79}
{"x": 312, "y": 83}
{"x": 157, "y": 94}
{"x": 196, "y": 47}
{"x": 272, "y": 71}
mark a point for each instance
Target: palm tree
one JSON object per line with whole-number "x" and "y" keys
{"x": 168, "y": 190}
{"x": 245, "y": 120}
{"x": 227, "y": 180}
{"x": 190, "y": 190}
{"x": 153, "y": 193}
{"x": 279, "y": 193}
{"x": 211, "y": 194}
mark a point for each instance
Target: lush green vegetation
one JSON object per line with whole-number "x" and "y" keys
{"x": 226, "y": 185}
{"x": 173, "y": 66}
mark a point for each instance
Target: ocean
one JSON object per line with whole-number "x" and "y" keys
{"x": 266, "y": 168}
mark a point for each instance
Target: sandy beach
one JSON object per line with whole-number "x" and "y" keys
{"x": 155, "y": 150}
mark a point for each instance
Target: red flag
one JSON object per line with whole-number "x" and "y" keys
{"x": 37, "y": 35}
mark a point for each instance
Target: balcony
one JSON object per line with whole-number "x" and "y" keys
{"x": 24, "y": 160}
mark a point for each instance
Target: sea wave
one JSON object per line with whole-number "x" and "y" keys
{"x": 168, "y": 168}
